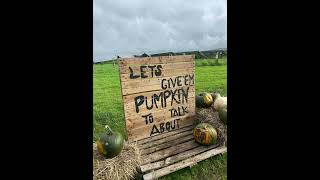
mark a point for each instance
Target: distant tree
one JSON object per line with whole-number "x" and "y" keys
{"x": 145, "y": 55}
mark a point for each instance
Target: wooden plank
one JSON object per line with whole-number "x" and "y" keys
{"x": 169, "y": 143}
{"x": 190, "y": 89}
{"x": 130, "y": 109}
{"x": 148, "y": 88}
{"x": 166, "y": 139}
{"x": 185, "y": 163}
{"x": 164, "y": 74}
{"x": 155, "y": 60}
{"x": 164, "y": 135}
{"x": 134, "y": 87}
{"x": 157, "y": 81}
{"x": 145, "y": 131}
{"x": 175, "y": 158}
{"x": 170, "y": 66}
{"x": 188, "y": 154}
{"x": 149, "y": 101}
{"x": 136, "y": 122}
{"x": 168, "y": 152}
{"x": 186, "y": 80}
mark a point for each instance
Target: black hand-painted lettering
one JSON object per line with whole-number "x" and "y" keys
{"x": 179, "y": 81}
{"x": 179, "y": 95}
{"x": 178, "y": 123}
{"x": 151, "y": 67}
{"x": 185, "y": 95}
{"x": 162, "y": 84}
{"x": 131, "y": 74}
{"x": 175, "y": 112}
{"x": 154, "y": 130}
{"x": 151, "y": 119}
{"x": 158, "y": 71}
{"x": 173, "y": 94}
{"x": 173, "y": 83}
{"x": 186, "y": 80}
{"x": 174, "y": 124}
{"x": 147, "y": 103}
{"x": 166, "y": 95}
{"x": 179, "y": 112}
{"x": 191, "y": 79}
{"x": 142, "y": 71}
{"x": 161, "y": 127}
{"x": 138, "y": 102}
{"x": 168, "y": 126}
{"x": 158, "y": 98}
{"x": 171, "y": 112}
{"x": 184, "y": 109}
{"x": 146, "y": 117}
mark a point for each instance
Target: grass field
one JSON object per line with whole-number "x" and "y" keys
{"x": 211, "y": 62}
{"x": 107, "y": 109}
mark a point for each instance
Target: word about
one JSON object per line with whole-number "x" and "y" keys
{"x": 168, "y": 126}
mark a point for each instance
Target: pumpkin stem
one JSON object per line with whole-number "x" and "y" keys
{"x": 108, "y": 130}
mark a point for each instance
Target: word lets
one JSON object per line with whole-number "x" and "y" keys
{"x": 156, "y": 72}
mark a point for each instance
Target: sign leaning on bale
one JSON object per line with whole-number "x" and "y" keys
{"x": 158, "y": 94}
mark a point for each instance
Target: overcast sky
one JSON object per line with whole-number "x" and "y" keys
{"x": 132, "y": 27}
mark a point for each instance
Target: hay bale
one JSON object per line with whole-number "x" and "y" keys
{"x": 211, "y": 116}
{"x": 125, "y": 166}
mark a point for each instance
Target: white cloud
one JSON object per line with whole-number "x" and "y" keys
{"x": 128, "y": 27}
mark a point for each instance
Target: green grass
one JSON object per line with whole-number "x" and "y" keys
{"x": 108, "y": 109}
{"x": 211, "y": 62}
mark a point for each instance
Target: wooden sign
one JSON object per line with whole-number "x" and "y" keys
{"x": 158, "y": 94}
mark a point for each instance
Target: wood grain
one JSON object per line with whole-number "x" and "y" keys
{"x": 130, "y": 98}
{"x": 130, "y": 109}
{"x": 167, "y": 66}
{"x": 155, "y": 60}
{"x": 168, "y": 152}
{"x": 165, "y": 140}
{"x": 167, "y": 144}
{"x": 145, "y": 131}
{"x": 134, "y": 122}
{"x": 175, "y": 70}
{"x": 182, "y": 164}
{"x": 175, "y": 158}
{"x": 164, "y": 135}
{"x": 165, "y": 74}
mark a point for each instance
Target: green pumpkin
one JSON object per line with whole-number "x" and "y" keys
{"x": 110, "y": 143}
{"x": 205, "y": 134}
{"x": 223, "y": 115}
{"x": 204, "y": 100}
